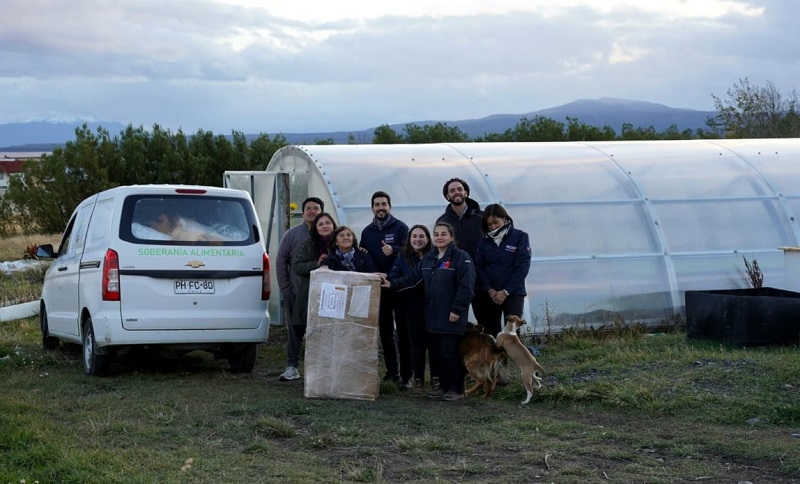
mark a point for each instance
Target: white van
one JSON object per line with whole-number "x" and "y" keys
{"x": 174, "y": 268}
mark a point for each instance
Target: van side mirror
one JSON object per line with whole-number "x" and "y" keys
{"x": 45, "y": 252}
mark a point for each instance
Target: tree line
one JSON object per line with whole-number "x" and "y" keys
{"x": 42, "y": 199}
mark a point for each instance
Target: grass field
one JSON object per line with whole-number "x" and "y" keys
{"x": 618, "y": 406}
{"x": 633, "y": 409}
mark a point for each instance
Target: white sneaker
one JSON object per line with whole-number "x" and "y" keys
{"x": 289, "y": 374}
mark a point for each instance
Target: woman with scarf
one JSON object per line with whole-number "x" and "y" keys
{"x": 502, "y": 263}
{"x": 346, "y": 257}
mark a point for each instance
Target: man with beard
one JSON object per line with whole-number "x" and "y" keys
{"x": 383, "y": 239}
{"x": 466, "y": 217}
{"x": 464, "y": 214}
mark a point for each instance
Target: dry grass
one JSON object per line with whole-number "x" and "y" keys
{"x": 22, "y": 286}
{"x": 15, "y": 247}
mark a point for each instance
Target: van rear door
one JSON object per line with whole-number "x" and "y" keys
{"x": 189, "y": 262}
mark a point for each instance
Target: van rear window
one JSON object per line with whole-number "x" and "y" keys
{"x": 187, "y": 220}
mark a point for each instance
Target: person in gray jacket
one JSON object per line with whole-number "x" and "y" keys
{"x": 289, "y": 282}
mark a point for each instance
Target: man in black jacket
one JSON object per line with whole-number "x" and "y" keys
{"x": 464, "y": 214}
{"x": 466, "y": 217}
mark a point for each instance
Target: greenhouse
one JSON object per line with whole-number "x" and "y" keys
{"x": 619, "y": 230}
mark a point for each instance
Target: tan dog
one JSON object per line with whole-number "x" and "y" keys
{"x": 481, "y": 358}
{"x": 531, "y": 370}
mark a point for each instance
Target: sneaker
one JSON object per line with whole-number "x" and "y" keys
{"x": 419, "y": 384}
{"x": 434, "y": 383}
{"x": 406, "y": 385}
{"x": 289, "y": 374}
{"x": 435, "y": 394}
{"x": 450, "y": 396}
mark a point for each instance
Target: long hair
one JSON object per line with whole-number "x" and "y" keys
{"x": 322, "y": 246}
{"x": 494, "y": 210}
{"x": 408, "y": 251}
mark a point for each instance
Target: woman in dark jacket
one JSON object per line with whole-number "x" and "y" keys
{"x": 448, "y": 276}
{"x": 310, "y": 256}
{"x": 346, "y": 257}
{"x": 416, "y": 246}
{"x": 502, "y": 264}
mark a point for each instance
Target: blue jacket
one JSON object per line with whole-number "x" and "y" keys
{"x": 468, "y": 227}
{"x": 394, "y": 232}
{"x": 414, "y": 296}
{"x": 361, "y": 261}
{"x": 505, "y": 266}
{"x": 448, "y": 286}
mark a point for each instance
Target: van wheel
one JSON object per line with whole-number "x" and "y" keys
{"x": 49, "y": 343}
{"x": 94, "y": 364}
{"x": 244, "y": 359}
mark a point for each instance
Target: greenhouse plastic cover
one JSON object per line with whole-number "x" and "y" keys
{"x": 619, "y": 230}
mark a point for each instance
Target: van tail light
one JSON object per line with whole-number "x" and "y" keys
{"x": 111, "y": 276}
{"x": 265, "y": 284}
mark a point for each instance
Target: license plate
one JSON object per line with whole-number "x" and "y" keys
{"x": 193, "y": 286}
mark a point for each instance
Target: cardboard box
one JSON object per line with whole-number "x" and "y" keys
{"x": 341, "y": 343}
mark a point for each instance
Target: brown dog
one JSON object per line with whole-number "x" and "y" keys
{"x": 481, "y": 358}
{"x": 531, "y": 370}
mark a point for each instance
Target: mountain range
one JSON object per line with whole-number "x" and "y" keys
{"x": 43, "y": 136}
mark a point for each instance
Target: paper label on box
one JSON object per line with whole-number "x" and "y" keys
{"x": 359, "y": 302}
{"x": 332, "y": 300}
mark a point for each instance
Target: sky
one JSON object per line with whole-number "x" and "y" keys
{"x": 300, "y": 66}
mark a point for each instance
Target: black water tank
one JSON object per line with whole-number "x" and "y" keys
{"x": 744, "y": 317}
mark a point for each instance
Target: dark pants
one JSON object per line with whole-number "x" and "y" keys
{"x": 387, "y": 333}
{"x": 295, "y": 333}
{"x": 420, "y": 347}
{"x": 490, "y": 315}
{"x": 445, "y": 351}
{"x": 403, "y": 339}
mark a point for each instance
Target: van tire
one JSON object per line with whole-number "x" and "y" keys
{"x": 49, "y": 343}
{"x": 94, "y": 364}
{"x": 243, "y": 359}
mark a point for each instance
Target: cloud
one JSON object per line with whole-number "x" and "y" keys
{"x": 303, "y": 66}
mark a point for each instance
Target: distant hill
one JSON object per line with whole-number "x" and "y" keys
{"x": 596, "y": 112}
{"x": 35, "y": 135}
{"x": 43, "y": 136}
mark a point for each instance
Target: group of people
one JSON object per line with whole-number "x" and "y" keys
{"x": 473, "y": 257}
